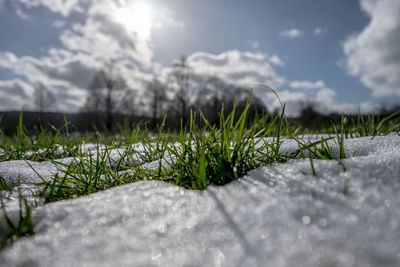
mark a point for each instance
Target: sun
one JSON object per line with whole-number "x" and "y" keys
{"x": 136, "y": 17}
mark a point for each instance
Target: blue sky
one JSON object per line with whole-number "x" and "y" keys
{"x": 340, "y": 54}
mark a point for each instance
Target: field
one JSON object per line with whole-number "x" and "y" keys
{"x": 237, "y": 193}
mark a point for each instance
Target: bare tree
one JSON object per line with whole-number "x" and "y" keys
{"x": 42, "y": 98}
{"x": 181, "y": 74}
{"x": 215, "y": 96}
{"x": 40, "y": 101}
{"x": 106, "y": 93}
{"x": 156, "y": 89}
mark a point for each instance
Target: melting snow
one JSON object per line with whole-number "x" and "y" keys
{"x": 278, "y": 215}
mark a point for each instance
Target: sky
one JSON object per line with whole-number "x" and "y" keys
{"x": 341, "y": 55}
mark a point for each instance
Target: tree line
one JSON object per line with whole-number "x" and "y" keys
{"x": 183, "y": 91}
{"x": 111, "y": 102}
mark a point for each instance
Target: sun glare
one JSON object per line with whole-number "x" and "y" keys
{"x": 136, "y": 17}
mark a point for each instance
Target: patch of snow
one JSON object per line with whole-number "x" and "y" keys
{"x": 277, "y": 215}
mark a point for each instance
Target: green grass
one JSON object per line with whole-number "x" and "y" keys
{"x": 90, "y": 172}
{"x": 198, "y": 156}
{"x": 374, "y": 125}
{"x": 43, "y": 145}
{"x": 215, "y": 155}
{"x": 24, "y": 225}
{"x": 4, "y": 186}
{"x": 194, "y": 158}
{"x": 362, "y": 126}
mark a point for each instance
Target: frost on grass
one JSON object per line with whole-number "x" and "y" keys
{"x": 278, "y": 215}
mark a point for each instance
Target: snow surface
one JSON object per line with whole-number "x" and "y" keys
{"x": 277, "y": 215}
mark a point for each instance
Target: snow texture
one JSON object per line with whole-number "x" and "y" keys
{"x": 277, "y": 215}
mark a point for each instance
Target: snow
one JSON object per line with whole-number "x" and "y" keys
{"x": 277, "y": 215}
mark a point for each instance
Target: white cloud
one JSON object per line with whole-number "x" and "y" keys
{"x": 66, "y": 78}
{"x": 13, "y": 6}
{"x": 319, "y": 31}
{"x": 326, "y": 103}
{"x": 255, "y": 45}
{"x": 373, "y": 55}
{"x": 105, "y": 38}
{"x": 20, "y": 12}
{"x": 307, "y": 85}
{"x": 325, "y": 96}
{"x": 292, "y": 33}
{"x": 324, "y": 100}
{"x": 59, "y": 24}
{"x": 67, "y": 71}
{"x": 292, "y": 100}
{"x": 247, "y": 69}
{"x": 167, "y": 17}
{"x": 64, "y": 7}
{"x": 13, "y": 93}
{"x": 236, "y": 67}
{"x": 275, "y": 60}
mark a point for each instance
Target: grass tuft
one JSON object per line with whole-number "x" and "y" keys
{"x": 215, "y": 155}
{"x": 23, "y": 227}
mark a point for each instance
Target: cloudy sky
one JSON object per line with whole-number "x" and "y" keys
{"x": 341, "y": 54}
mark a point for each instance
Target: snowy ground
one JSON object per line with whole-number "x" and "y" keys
{"x": 278, "y": 215}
